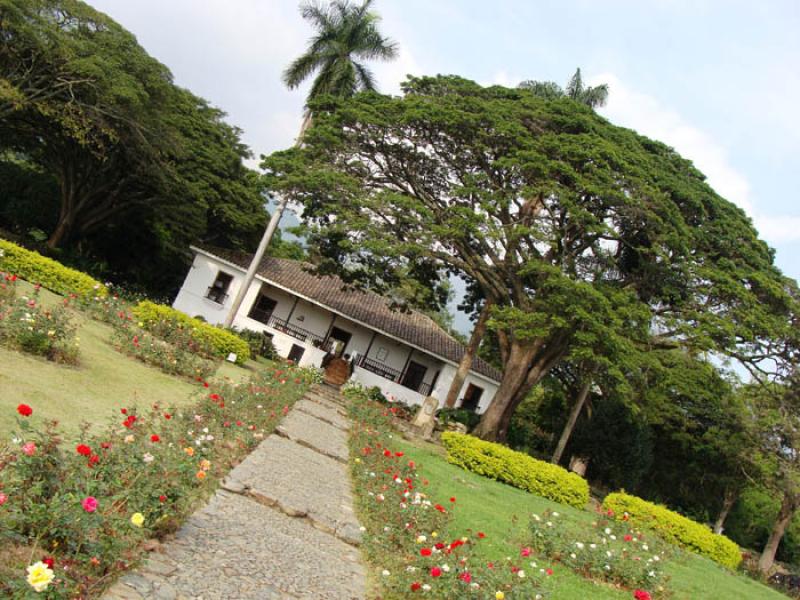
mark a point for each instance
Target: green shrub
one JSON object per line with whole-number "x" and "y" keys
{"x": 675, "y": 528}
{"x": 517, "y": 469}
{"x": 468, "y": 418}
{"x": 155, "y": 317}
{"x": 51, "y": 274}
{"x": 171, "y": 357}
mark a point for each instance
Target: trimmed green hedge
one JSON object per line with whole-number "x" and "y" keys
{"x": 223, "y": 342}
{"x": 515, "y": 468}
{"x": 675, "y": 528}
{"x": 35, "y": 268}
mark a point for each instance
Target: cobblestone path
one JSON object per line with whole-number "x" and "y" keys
{"x": 281, "y": 526}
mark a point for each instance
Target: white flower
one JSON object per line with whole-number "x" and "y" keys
{"x": 521, "y": 574}
{"x": 652, "y": 574}
{"x": 446, "y": 568}
{"x": 555, "y": 514}
{"x": 607, "y": 531}
{"x": 644, "y": 547}
{"x": 362, "y": 528}
{"x": 421, "y": 539}
{"x": 549, "y": 524}
{"x": 148, "y": 458}
{"x": 579, "y": 545}
{"x": 537, "y": 518}
{"x": 411, "y": 569}
{"x": 572, "y": 555}
{"x": 607, "y": 567}
{"x": 609, "y": 553}
{"x": 426, "y": 587}
{"x": 656, "y": 558}
{"x": 613, "y": 537}
{"x": 592, "y": 546}
{"x": 385, "y": 573}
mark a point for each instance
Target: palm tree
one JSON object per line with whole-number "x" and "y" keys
{"x": 592, "y": 97}
{"x": 346, "y": 34}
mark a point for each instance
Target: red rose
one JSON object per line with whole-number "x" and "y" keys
{"x": 481, "y": 535}
{"x": 83, "y": 450}
{"x": 452, "y": 499}
{"x": 155, "y": 438}
{"x": 465, "y": 577}
{"x": 49, "y": 561}
{"x": 415, "y": 586}
{"x": 549, "y": 571}
{"x": 641, "y": 595}
{"x": 525, "y": 552}
{"x": 425, "y": 552}
{"x": 214, "y": 397}
{"x": 162, "y": 498}
{"x": 167, "y": 416}
{"x": 105, "y": 445}
{"x": 124, "y": 411}
{"x": 439, "y": 545}
{"x": 398, "y": 454}
{"x": 440, "y": 508}
{"x": 24, "y": 410}
{"x": 628, "y": 537}
{"x": 205, "y": 384}
{"x": 387, "y": 453}
{"x": 436, "y": 572}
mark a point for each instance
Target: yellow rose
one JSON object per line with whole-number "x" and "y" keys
{"x": 40, "y": 576}
{"x": 137, "y": 519}
{"x": 499, "y": 595}
{"x": 205, "y": 465}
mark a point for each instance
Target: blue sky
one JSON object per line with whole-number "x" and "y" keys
{"x": 718, "y": 80}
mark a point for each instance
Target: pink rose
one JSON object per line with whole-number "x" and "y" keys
{"x": 525, "y": 551}
{"x": 29, "y": 448}
{"x": 89, "y": 504}
{"x": 3, "y": 498}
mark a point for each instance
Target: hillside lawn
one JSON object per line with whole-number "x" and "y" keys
{"x": 502, "y": 513}
{"x": 94, "y": 391}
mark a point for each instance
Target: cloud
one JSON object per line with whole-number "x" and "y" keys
{"x": 644, "y": 113}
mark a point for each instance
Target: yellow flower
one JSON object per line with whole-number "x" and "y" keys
{"x": 201, "y": 475}
{"x": 205, "y": 465}
{"x": 499, "y": 595}
{"x": 137, "y": 519}
{"x": 189, "y": 450}
{"x": 40, "y": 576}
{"x": 434, "y": 534}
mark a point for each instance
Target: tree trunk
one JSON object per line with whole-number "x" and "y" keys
{"x": 515, "y": 385}
{"x": 583, "y": 394}
{"x": 469, "y": 355}
{"x": 785, "y": 514}
{"x": 61, "y": 233}
{"x": 728, "y": 501}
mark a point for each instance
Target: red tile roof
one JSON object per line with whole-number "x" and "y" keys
{"x": 369, "y": 308}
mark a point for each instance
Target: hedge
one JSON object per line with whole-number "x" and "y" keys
{"x": 515, "y": 468}
{"x": 223, "y": 342}
{"x": 51, "y": 274}
{"x": 675, "y": 528}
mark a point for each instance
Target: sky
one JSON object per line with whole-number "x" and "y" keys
{"x": 717, "y": 80}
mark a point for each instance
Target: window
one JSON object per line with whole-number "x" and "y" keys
{"x": 296, "y": 353}
{"x": 472, "y": 397}
{"x": 262, "y": 308}
{"x": 218, "y": 292}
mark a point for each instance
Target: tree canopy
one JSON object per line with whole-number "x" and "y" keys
{"x": 577, "y": 230}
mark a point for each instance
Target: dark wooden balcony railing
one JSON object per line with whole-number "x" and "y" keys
{"x": 216, "y": 294}
{"x": 293, "y": 330}
{"x": 394, "y": 375}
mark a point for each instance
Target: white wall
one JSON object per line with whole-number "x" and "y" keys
{"x": 446, "y": 378}
{"x": 369, "y": 379}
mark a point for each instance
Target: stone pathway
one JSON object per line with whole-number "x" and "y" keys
{"x": 281, "y": 526}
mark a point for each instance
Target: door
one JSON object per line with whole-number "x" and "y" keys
{"x": 296, "y": 353}
{"x": 414, "y": 375}
{"x": 341, "y": 336}
{"x": 472, "y": 397}
{"x": 262, "y": 309}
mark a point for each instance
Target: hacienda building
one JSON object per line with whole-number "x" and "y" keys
{"x": 318, "y": 321}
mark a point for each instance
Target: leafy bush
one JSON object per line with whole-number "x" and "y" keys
{"x": 675, "y": 528}
{"x": 174, "y": 357}
{"x": 407, "y": 537}
{"x": 469, "y": 418}
{"x": 30, "y": 327}
{"x": 517, "y": 469}
{"x": 157, "y": 317}
{"x": 51, "y": 274}
{"x": 260, "y": 344}
{"x": 604, "y": 551}
{"x": 88, "y": 507}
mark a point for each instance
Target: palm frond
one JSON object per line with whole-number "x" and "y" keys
{"x": 575, "y": 85}
{"x": 365, "y": 77}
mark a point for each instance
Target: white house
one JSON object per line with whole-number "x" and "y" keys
{"x": 307, "y": 317}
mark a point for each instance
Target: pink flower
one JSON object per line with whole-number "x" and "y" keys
{"x": 641, "y": 595}
{"x": 3, "y": 498}
{"x": 89, "y": 504}
{"x": 525, "y": 551}
{"x": 29, "y": 448}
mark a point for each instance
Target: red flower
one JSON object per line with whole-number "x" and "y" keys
{"x": 481, "y": 535}
{"x": 205, "y": 384}
{"x": 425, "y": 552}
{"x": 167, "y": 416}
{"x": 49, "y": 561}
{"x": 124, "y": 411}
{"x": 105, "y": 445}
{"x": 436, "y": 572}
{"x": 162, "y": 498}
{"x": 525, "y": 552}
{"x": 415, "y": 586}
{"x": 465, "y": 577}
{"x": 387, "y": 452}
{"x": 549, "y": 571}
{"x": 440, "y": 508}
{"x": 155, "y": 438}
{"x": 83, "y": 450}
{"x": 214, "y": 397}
{"x": 641, "y": 595}
{"x": 398, "y": 454}
{"x": 24, "y": 410}
{"x": 439, "y": 545}
{"x": 452, "y": 499}
{"x": 628, "y": 537}
{"x": 93, "y": 460}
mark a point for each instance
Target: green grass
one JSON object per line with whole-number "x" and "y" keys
{"x": 94, "y": 391}
{"x": 502, "y": 513}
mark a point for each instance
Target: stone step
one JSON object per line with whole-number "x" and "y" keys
{"x": 315, "y": 434}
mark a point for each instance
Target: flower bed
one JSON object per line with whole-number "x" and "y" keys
{"x": 47, "y": 272}
{"x": 28, "y": 326}
{"x": 605, "y": 551}
{"x": 407, "y": 535}
{"x": 516, "y": 468}
{"x": 675, "y": 528}
{"x": 73, "y": 518}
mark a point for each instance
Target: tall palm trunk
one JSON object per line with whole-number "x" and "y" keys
{"x": 469, "y": 355}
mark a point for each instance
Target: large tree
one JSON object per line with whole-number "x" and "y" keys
{"x": 575, "y": 229}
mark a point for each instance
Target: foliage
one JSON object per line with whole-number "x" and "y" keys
{"x": 28, "y": 326}
{"x": 51, "y": 274}
{"x": 174, "y": 357}
{"x": 77, "y": 506}
{"x": 585, "y": 236}
{"x": 406, "y": 535}
{"x": 675, "y": 528}
{"x": 517, "y": 469}
{"x": 469, "y": 418}
{"x": 751, "y": 519}
{"x": 157, "y": 317}
{"x": 592, "y": 96}
{"x": 611, "y": 552}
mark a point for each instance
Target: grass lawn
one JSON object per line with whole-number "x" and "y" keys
{"x": 502, "y": 512}
{"x": 95, "y": 390}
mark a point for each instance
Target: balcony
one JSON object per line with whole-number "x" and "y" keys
{"x": 216, "y": 294}
{"x": 304, "y": 335}
{"x": 391, "y": 374}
